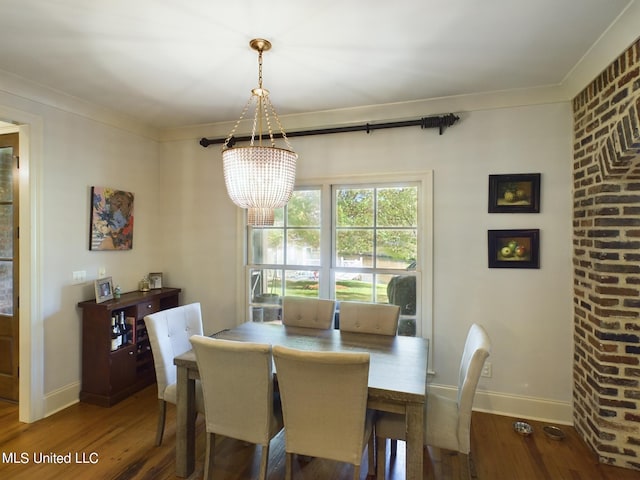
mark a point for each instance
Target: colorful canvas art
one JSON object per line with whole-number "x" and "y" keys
{"x": 111, "y": 219}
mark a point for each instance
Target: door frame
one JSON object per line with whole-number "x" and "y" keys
{"x": 31, "y": 344}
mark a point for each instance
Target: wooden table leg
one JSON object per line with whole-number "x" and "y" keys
{"x": 185, "y": 424}
{"x": 415, "y": 440}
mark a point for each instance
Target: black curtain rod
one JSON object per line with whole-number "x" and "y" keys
{"x": 440, "y": 121}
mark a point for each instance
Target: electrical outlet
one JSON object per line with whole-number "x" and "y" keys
{"x": 486, "y": 370}
{"x": 102, "y": 272}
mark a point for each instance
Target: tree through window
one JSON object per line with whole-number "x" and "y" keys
{"x": 372, "y": 256}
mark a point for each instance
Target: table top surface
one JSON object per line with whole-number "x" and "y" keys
{"x": 398, "y": 364}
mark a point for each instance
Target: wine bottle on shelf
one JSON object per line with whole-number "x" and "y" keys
{"x": 123, "y": 328}
{"x": 120, "y": 332}
{"x": 115, "y": 337}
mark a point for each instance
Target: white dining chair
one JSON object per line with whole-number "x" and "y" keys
{"x": 324, "y": 404}
{"x": 169, "y": 332}
{"x": 363, "y": 317}
{"x": 374, "y": 318}
{"x": 237, "y": 382}
{"x": 448, "y": 420}
{"x": 308, "y": 312}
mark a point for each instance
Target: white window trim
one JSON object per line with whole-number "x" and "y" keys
{"x": 425, "y": 247}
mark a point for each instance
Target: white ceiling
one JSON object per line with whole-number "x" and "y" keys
{"x": 171, "y": 63}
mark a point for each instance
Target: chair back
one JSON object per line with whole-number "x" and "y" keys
{"x": 169, "y": 331}
{"x": 308, "y": 312}
{"x": 379, "y": 318}
{"x": 324, "y": 402}
{"x": 476, "y": 350}
{"x": 237, "y": 384}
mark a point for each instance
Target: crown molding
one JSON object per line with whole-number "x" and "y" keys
{"x": 39, "y": 94}
{"x": 622, "y": 33}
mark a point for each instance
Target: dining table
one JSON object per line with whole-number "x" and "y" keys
{"x": 397, "y": 380}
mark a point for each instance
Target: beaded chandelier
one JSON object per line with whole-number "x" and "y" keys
{"x": 259, "y": 177}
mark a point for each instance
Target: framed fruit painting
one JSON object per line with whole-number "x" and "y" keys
{"x": 514, "y": 248}
{"x": 516, "y": 193}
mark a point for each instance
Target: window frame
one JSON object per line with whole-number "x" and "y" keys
{"x": 424, "y": 264}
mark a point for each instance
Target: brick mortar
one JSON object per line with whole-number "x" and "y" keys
{"x": 606, "y": 259}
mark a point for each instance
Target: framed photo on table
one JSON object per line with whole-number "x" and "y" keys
{"x": 514, "y": 248}
{"x": 517, "y": 193}
{"x": 155, "y": 280}
{"x": 104, "y": 289}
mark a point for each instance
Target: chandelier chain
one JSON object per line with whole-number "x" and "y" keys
{"x": 256, "y": 114}
{"x": 267, "y": 104}
{"x": 260, "y": 69}
{"x": 233, "y": 130}
{"x": 265, "y": 108}
{"x": 282, "y": 132}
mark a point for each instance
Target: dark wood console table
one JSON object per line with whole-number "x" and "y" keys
{"x": 110, "y": 376}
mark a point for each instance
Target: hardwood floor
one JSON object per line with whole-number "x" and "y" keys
{"x": 120, "y": 443}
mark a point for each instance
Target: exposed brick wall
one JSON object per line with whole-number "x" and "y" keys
{"x": 606, "y": 259}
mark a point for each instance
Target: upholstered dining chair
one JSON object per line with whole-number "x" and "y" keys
{"x": 378, "y": 318}
{"x": 375, "y": 318}
{"x": 237, "y": 382}
{"x": 324, "y": 404}
{"x": 448, "y": 421}
{"x": 169, "y": 331}
{"x": 308, "y": 312}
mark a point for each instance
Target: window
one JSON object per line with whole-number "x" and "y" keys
{"x": 285, "y": 258}
{"x": 349, "y": 241}
{"x": 375, "y": 246}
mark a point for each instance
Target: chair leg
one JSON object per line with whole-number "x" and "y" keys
{"x": 264, "y": 462}
{"x": 381, "y": 458}
{"x": 356, "y": 472}
{"x": 288, "y": 466}
{"x": 209, "y": 455}
{"x": 371, "y": 454}
{"x": 162, "y": 413}
{"x": 468, "y": 466}
{"x": 394, "y": 447}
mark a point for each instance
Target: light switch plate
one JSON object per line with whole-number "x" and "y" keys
{"x": 79, "y": 276}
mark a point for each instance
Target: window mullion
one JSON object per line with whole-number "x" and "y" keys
{"x": 326, "y": 241}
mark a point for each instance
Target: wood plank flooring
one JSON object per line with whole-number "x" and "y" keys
{"x": 120, "y": 443}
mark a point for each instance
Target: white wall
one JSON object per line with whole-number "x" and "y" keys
{"x": 200, "y": 235}
{"x": 78, "y": 154}
{"x": 64, "y": 155}
{"x": 527, "y": 312}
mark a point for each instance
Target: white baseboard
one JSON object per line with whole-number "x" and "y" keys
{"x": 516, "y": 406}
{"x": 61, "y": 398}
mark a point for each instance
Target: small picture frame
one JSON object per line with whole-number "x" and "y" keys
{"x": 104, "y": 289}
{"x": 155, "y": 280}
{"x": 514, "y": 248}
{"x": 517, "y": 193}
